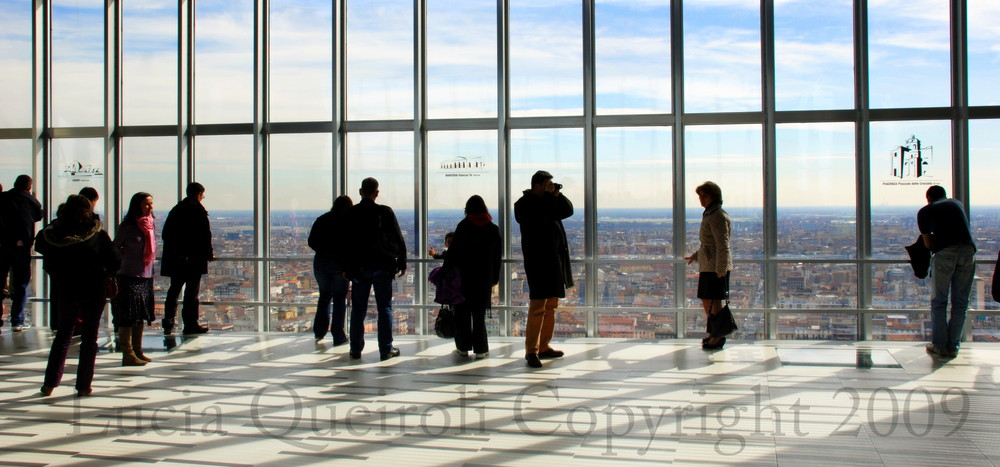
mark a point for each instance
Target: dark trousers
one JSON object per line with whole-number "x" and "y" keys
{"x": 470, "y": 329}
{"x": 192, "y": 285}
{"x": 332, "y": 288}
{"x": 16, "y": 261}
{"x": 69, "y": 309}
{"x": 361, "y": 288}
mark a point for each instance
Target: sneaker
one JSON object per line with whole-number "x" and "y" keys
{"x": 480, "y": 356}
{"x": 551, "y": 353}
{"x": 462, "y": 353}
{"x": 21, "y": 327}
{"x": 392, "y": 353}
{"x": 533, "y": 360}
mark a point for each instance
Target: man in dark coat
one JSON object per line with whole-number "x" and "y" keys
{"x": 187, "y": 249}
{"x": 540, "y": 212}
{"x": 376, "y": 252}
{"x": 19, "y": 211}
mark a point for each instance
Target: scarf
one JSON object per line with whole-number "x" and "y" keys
{"x": 481, "y": 219}
{"x": 145, "y": 224}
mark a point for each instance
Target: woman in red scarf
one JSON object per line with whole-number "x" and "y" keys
{"x": 475, "y": 250}
{"x": 134, "y": 303}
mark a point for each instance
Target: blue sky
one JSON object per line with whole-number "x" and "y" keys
{"x": 909, "y": 67}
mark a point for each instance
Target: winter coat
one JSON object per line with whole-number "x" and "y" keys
{"x": 374, "y": 241}
{"x": 328, "y": 236}
{"x": 714, "y": 255}
{"x": 475, "y": 250}
{"x": 544, "y": 244}
{"x": 131, "y": 241}
{"x": 79, "y": 261}
{"x": 187, "y": 240}
{"x": 19, "y": 211}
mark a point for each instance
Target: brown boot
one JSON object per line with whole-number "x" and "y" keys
{"x": 128, "y": 356}
{"x": 137, "y": 343}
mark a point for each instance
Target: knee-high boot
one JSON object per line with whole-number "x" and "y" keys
{"x": 128, "y": 355}
{"x": 137, "y": 343}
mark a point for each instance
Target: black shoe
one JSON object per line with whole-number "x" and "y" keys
{"x": 356, "y": 354}
{"x": 715, "y": 346}
{"x": 533, "y": 360}
{"x": 197, "y": 330}
{"x": 551, "y": 353}
{"x": 339, "y": 343}
{"x": 392, "y": 353}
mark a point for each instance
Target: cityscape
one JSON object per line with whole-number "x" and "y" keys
{"x": 635, "y": 296}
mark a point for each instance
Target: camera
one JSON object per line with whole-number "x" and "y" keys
{"x": 558, "y": 186}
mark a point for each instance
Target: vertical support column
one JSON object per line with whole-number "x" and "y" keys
{"x": 680, "y": 188}
{"x": 111, "y": 191}
{"x": 960, "y": 118}
{"x": 770, "y": 169}
{"x": 589, "y": 168}
{"x": 262, "y": 208}
{"x": 420, "y": 153}
{"x": 185, "y": 94}
{"x": 862, "y": 167}
{"x": 339, "y": 162}
{"x": 41, "y": 111}
{"x": 503, "y": 159}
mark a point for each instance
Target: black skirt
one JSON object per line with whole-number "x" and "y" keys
{"x": 713, "y": 287}
{"x": 134, "y": 303}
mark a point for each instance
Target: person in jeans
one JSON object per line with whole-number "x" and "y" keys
{"x": 19, "y": 211}
{"x": 187, "y": 250}
{"x": 376, "y": 254}
{"x": 327, "y": 239}
{"x": 945, "y": 230}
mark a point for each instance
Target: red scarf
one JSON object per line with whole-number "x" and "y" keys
{"x": 480, "y": 220}
{"x": 145, "y": 224}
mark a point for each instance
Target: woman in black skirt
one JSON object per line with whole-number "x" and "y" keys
{"x": 133, "y": 307}
{"x": 714, "y": 256}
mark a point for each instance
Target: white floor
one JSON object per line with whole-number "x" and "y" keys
{"x": 280, "y": 399}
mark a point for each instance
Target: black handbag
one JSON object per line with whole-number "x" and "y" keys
{"x": 722, "y": 323}
{"x": 444, "y": 324}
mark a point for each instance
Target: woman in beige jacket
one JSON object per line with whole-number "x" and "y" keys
{"x": 714, "y": 256}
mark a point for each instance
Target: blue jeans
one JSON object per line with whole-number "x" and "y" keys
{"x": 332, "y": 286}
{"x": 952, "y": 269}
{"x": 362, "y": 286}
{"x": 17, "y": 261}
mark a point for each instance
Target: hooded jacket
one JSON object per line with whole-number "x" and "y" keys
{"x": 79, "y": 259}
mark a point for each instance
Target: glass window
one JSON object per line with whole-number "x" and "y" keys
{"x": 637, "y": 325}
{"x": 149, "y": 63}
{"x": 818, "y": 326}
{"x": 908, "y": 54}
{"x": 76, "y": 163}
{"x": 15, "y": 60}
{"x": 984, "y": 328}
{"x": 459, "y": 164}
{"x": 294, "y": 286}
{"x": 636, "y": 284}
{"x": 746, "y": 290}
{"x": 633, "y": 57}
{"x": 224, "y": 165}
{"x": 78, "y": 63}
{"x": 546, "y": 58}
{"x": 150, "y": 165}
{"x": 984, "y": 191}
{"x": 634, "y": 193}
{"x": 389, "y": 158}
{"x": 301, "y": 67}
{"x": 379, "y": 46}
{"x": 731, "y": 157}
{"x": 224, "y": 41}
{"x": 15, "y": 159}
{"x": 984, "y": 56}
{"x": 814, "y": 55}
{"x": 559, "y": 152}
{"x": 722, "y": 56}
{"x": 461, "y": 59}
{"x": 300, "y": 189}
{"x": 816, "y": 190}
{"x": 906, "y": 159}
{"x": 817, "y": 285}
